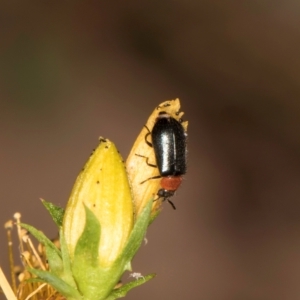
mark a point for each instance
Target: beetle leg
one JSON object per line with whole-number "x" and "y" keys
{"x": 149, "y": 133}
{"x": 164, "y": 199}
{"x": 154, "y": 177}
{"x": 147, "y": 161}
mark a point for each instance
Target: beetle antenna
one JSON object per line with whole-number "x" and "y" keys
{"x": 172, "y": 204}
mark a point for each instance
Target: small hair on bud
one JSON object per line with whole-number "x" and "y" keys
{"x": 102, "y": 139}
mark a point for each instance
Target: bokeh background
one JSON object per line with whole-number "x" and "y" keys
{"x": 71, "y": 71}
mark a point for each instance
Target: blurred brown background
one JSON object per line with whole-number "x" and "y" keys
{"x": 71, "y": 71}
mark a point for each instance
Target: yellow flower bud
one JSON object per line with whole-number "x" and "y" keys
{"x": 102, "y": 186}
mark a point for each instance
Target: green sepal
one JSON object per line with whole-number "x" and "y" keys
{"x": 67, "y": 275}
{"x": 52, "y": 252}
{"x": 85, "y": 267}
{"x": 56, "y": 212}
{"x": 134, "y": 242}
{"x": 128, "y": 267}
{"x": 94, "y": 281}
{"x": 61, "y": 286}
{"x": 123, "y": 290}
{"x": 154, "y": 216}
{"x": 137, "y": 235}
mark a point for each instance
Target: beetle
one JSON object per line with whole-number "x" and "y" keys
{"x": 169, "y": 144}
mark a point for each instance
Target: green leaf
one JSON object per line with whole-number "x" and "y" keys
{"x": 52, "y": 252}
{"x": 123, "y": 290}
{"x": 56, "y": 212}
{"x": 60, "y": 285}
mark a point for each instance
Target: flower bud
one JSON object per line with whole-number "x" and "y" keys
{"x": 103, "y": 188}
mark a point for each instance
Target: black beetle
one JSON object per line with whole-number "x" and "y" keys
{"x": 169, "y": 144}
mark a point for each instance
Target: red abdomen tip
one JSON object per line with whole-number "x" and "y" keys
{"x": 171, "y": 183}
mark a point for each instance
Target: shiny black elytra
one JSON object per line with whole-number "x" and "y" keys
{"x": 169, "y": 144}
